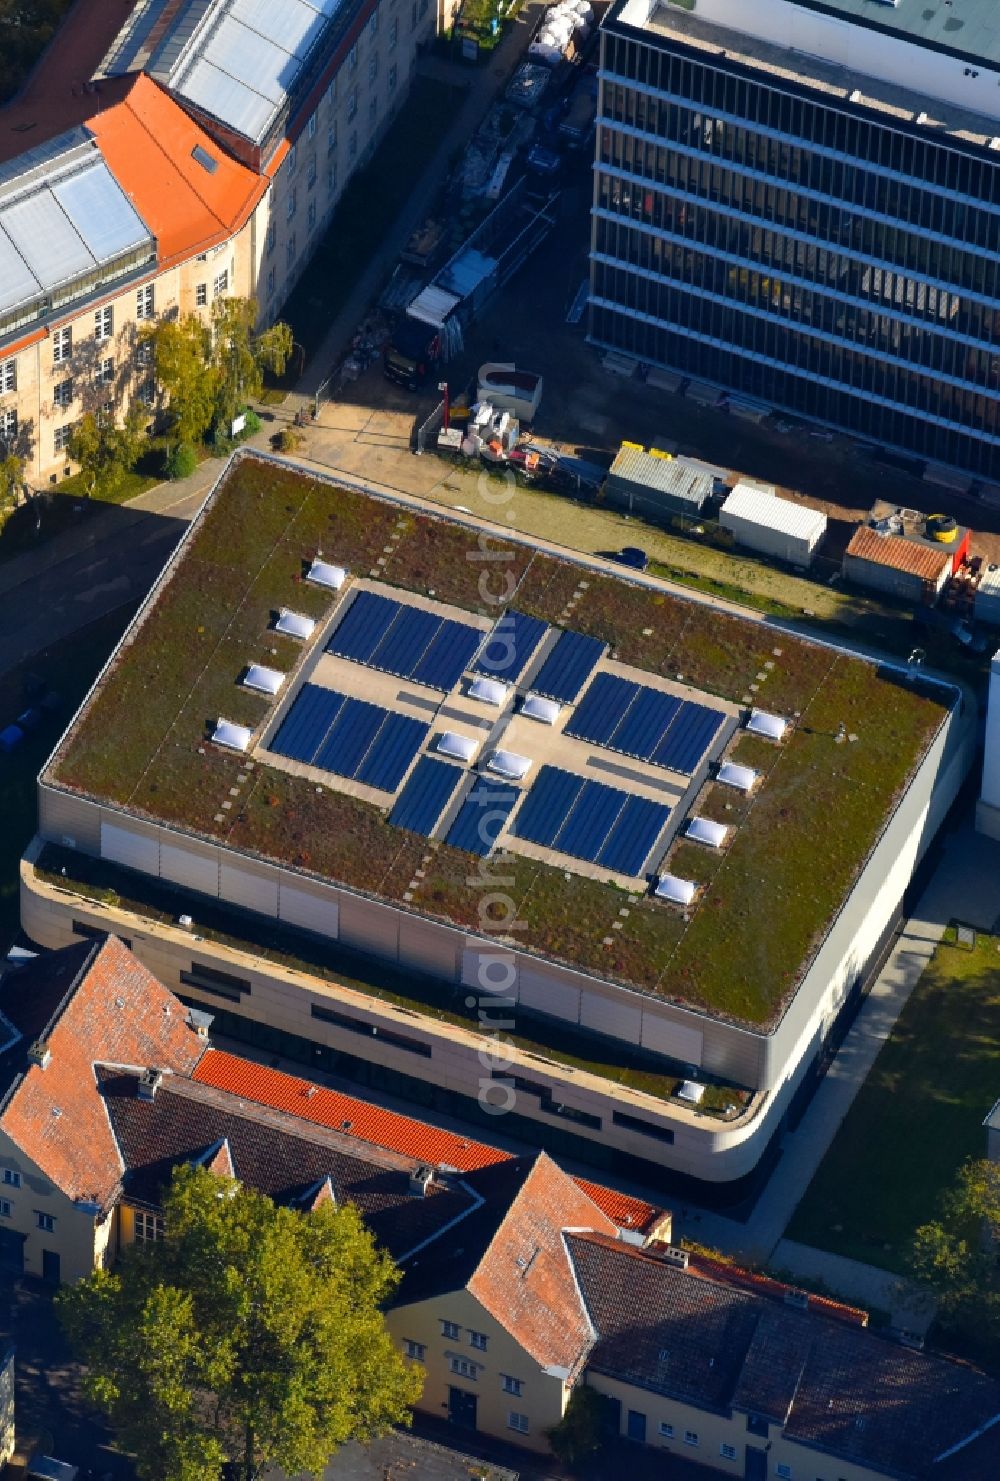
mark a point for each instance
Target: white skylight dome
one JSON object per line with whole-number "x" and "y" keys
{"x": 234, "y": 737}
{"x": 490, "y": 691}
{"x": 772, "y": 727}
{"x": 703, "y": 830}
{"x": 323, "y": 573}
{"x": 459, "y": 747}
{"x": 294, "y": 624}
{"x": 538, "y": 708}
{"x": 263, "y": 680}
{"x": 509, "y": 764}
{"x": 677, "y": 891}
{"x": 741, "y": 777}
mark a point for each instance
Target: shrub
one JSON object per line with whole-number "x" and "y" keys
{"x": 287, "y": 440}
{"x": 252, "y": 424}
{"x": 182, "y": 460}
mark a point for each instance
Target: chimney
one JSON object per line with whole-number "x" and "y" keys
{"x": 148, "y": 1084}
{"x": 420, "y": 1181}
{"x": 200, "y": 1021}
{"x": 39, "y": 1053}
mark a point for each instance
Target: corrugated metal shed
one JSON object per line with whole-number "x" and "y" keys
{"x": 760, "y": 520}
{"x": 656, "y": 482}
{"x": 432, "y": 306}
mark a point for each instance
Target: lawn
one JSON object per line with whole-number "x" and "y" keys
{"x": 69, "y": 668}
{"x": 918, "y": 1117}
{"x": 824, "y": 801}
{"x": 371, "y": 201}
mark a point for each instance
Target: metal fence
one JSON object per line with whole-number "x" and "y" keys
{"x": 425, "y": 434}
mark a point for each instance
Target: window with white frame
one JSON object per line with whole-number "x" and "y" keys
{"x": 511, "y": 1385}
{"x": 147, "y": 393}
{"x": 666, "y": 1430}
{"x": 104, "y": 373}
{"x": 148, "y": 1228}
{"x": 145, "y": 301}
{"x": 8, "y": 376}
{"x": 416, "y": 1350}
{"x": 517, "y": 1422}
{"x": 451, "y": 1330}
{"x": 6, "y": 1208}
{"x": 61, "y": 437}
{"x": 311, "y": 216}
{"x": 293, "y": 159}
{"x": 311, "y": 127}
{"x": 220, "y": 284}
{"x": 372, "y": 68}
{"x": 11, "y": 1178}
{"x": 106, "y": 411}
{"x": 392, "y": 78}
{"x": 62, "y": 344}
{"x": 291, "y": 205}
{"x": 62, "y": 395}
{"x": 45, "y": 1222}
{"x": 144, "y": 352}
{"x": 104, "y": 323}
{"x": 463, "y": 1367}
{"x": 691, "y": 1437}
{"x": 728, "y": 1452}
{"x": 393, "y": 32}
{"x": 331, "y": 137}
{"x": 8, "y": 424}
{"x": 478, "y": 1340}
{"x": 352, "y": 58}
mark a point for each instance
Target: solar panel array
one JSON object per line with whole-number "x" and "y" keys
{"x": 646, "y": 723}
{"x": 482, "y": 816}
{"x": 590, "y": 820}
{"x": 428, "y": 790}
{"x": 349, "y": 737}
{"x": 508, "y": 649}
{"x": 403, "y": 640}
{"x": 568, "y": 667}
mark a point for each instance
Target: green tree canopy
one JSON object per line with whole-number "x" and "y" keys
{"x": 240, "y": 356}
{"x": 580, "y": 1432}
{"x": 11, "y": 479}
{"x": 251, "y": 1334}
{"x": 105, "y": 451}
{"x": 958, "y": 1255}
{"x": 182, "y": 350}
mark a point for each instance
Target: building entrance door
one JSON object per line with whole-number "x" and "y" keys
{"x": 12, "y": 1251}
{"x": 756, "y": 1465}
{"x": 50, "y": 1266}
{"x": 462, "y": 1408}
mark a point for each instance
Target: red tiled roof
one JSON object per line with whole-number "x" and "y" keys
{"x": 118, "y": 1014}
{"x": 752, "y": 1280}
{"x": 389, "y": 1129}
{"x": 901, "y": 555}
{"x": 148, "y": 142}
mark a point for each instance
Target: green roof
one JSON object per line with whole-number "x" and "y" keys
{"x": 797, "y": 844}
{"x": 968, "y": 28}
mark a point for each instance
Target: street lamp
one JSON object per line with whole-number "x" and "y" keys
{"x": 443, "y": 388}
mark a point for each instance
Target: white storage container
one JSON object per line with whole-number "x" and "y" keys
{"x": 759, "y": 520}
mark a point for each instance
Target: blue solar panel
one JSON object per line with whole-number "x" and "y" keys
{"x": 302, "y": 731}
{"x": 393, "y": 749}
{"x": 406, "y": 642}
{"x": 448, "y": 656}
{"x": 346, "y": 745}
{"x": 548, "y": 804}
{"x": 568, "y": 667}
{"x": 643, "y": 727}
{"x": 591, "y": 820}
{"x": 423, "y": 799}
{"x": 601, "y": 709}
{"x": 510, "y": 645}
{"x": 627, "y": 846}
{"x": 482, "y": 816}
{"x": 363, "y": 626}
{"x": 688, "y": 738}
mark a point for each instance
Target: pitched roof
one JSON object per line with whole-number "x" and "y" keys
{"x": 272, "y": 1152}
{"x": 264, "y": 1086}
{"x": 902, "y": 555}
{"x": 833, "y": 1386}
{"x": 150, "y": 144}
{"x": 97, "y": 1005}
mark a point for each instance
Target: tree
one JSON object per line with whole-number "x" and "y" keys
{"x": 250, "y": 1334}
{"x": 240, "y": 356}
{"x": 105, "y": 451}
{"x": 580, "y": 1432}
{"x": 182, "y": 350}
{"x": 11, "y": 481}
{"x": 956, "y": 1255}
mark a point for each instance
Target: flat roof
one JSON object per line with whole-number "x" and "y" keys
{"x": 964, "y": 27}
{"x": 141, "y": 741}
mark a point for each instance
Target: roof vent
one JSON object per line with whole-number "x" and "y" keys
{"x": 39, "y": 1054}
{"x": 672, "y": 1255}
{"x": 325, "y": 573}
{"x": 771, "y": 727}
{"x": 421, "y": 1180}
{"x": 855, "y": 96}
{"x": 200, "y": 1021}
{"x": 921, "y": 118}
{"x": 798, "y": 1299}
{"x": 149, "y": 1083}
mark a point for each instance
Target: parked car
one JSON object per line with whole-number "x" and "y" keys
{"x": 633, "y": 557}
{"x": 46, "y": 1468}
{"x": 10, "y": 738}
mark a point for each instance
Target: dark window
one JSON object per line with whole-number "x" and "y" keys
{"x": 370, "y": 1030}
{"x": 94, "y": 933}
{"x": 222, "y": 984}
{"x": 756, "y": 1425}
{"x": 636, "y": 1429}
{"x": 646, "y": 1128}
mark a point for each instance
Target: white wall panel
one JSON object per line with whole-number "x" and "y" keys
{"x": 311, "y": 912}
{"x": 185, "y": 866}
{"x": 618, "y": 1018}
{"x": 252, "y": 891}
{"x": 675, "y": 1039}
{"x": 545, "y": 992}
{"x": 134, "y": 850}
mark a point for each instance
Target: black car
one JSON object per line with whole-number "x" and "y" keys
{"x": 632, "y": 556}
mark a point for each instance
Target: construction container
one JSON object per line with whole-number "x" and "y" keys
{"x": 759, "y": 520}
{"x": 911, "y": 570}
{"x": 655, "y": 484}
{"x": 987, "y": 607}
